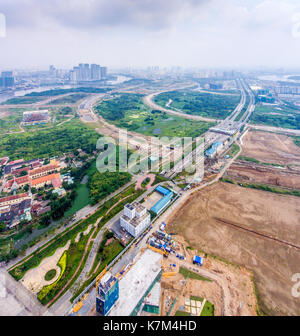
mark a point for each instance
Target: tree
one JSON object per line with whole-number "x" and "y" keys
{"x": 46, "y": 219}
{"x": 2, "y": 226}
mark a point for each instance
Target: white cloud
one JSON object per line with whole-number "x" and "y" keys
{"x": 142, "y": 32}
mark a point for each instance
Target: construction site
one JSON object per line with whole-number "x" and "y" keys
{"x": 267, "y": 158}
{"x": 167, "y": 278}
{"x": 249, "y": 228}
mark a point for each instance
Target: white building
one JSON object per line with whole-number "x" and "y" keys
{"x": 135, "y": 219}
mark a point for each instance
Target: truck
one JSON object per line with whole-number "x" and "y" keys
{"x": 197, "y": 260}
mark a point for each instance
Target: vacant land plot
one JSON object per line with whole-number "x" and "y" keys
{"x": 253, "y": 173}
{"x": 278, "y": 116}
{"x": 257, "y": 229}
{"x": 268, "y": 158}
{"x": 271, "y": 148}
{"x": 128, "y": 111}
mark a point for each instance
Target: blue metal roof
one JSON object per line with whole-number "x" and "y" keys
{"x": 161, "y": 203}
{"x": 162, "y": 190}
{"x": 198, "y": 260}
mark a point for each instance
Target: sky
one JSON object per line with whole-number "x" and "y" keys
{"x": 139, "y": 33}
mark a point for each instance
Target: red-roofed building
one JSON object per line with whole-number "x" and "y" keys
{"x": 14, "y": 199}
{"x": 44, "y": 170}
{"x": 19, "y": 171}
{"x": 16, "y": 183}
{"x": 3, "y": 161}
{"x": 47, "y": 179}
{"x": 11, "y": 163}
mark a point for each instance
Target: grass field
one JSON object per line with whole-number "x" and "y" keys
{"x": 198, "y": 103}
{"x": 277, "y": 116}
{"x": 191, "y": 275}
{"x": 128, "y": 111}
{"x": 208, "y": 309}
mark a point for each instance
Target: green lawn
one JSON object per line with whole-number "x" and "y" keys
{"x": 233, "y": 150}
{"x": 180, "y": 313}
{"x": 196, "y": 298}
{"x": 208, "y": 309}
{"x": 191, "y": 275}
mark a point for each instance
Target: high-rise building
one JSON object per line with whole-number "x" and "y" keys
{"x": 103, "y": 71}
{"x": 107, "y": 293}
{"x": 7, "y": 79}
{"x": 85, "y": 72}
{"x": 95, "y": 72}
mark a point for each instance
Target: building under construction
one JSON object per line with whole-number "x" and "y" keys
{"x": 107, "y": 293}
{"x": 137, "y": 283}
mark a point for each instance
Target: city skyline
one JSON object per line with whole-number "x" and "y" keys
{"x": 124, "y": 33}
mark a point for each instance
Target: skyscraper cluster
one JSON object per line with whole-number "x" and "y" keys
{"x": 87, "y": 72}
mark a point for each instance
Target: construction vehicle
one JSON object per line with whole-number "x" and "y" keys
{"x": 169, "y": 274}
{"x": 100, "y": 276}
{"x": 163, "y": 252}
{"x": 77, "y": 307}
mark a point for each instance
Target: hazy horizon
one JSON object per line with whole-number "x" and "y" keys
{"x": 124, "y": 33}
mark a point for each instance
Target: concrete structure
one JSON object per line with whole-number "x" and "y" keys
{"x": 152, "y": 301}
{"x": 107, "y": 293}
{"x": 16, "y": 300}
{"x": 135, "y": 219}
{"x": 135, "y": 285}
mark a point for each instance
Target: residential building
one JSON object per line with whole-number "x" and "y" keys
{"x": 13, "y": 214}
{"x": 135, "y": 219}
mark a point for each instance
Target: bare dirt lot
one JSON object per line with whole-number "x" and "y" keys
{"x": 253, "y": 228}
{"x": 271, "y": 148}
{"x": 244, "y": 171}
